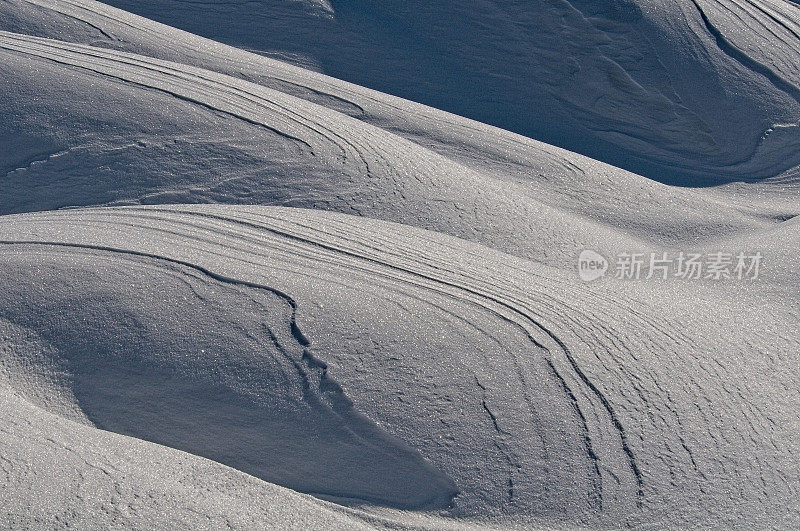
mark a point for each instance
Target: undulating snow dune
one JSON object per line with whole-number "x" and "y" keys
{"x": 531, "y": 393}
{"x": 678, "y": 90}
{"x": 226, "y": 140}
{"x": 236, "y": 291}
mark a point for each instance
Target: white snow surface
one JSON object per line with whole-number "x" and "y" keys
{"x": 240, "y": 292}
{"x": 679, "y": 90}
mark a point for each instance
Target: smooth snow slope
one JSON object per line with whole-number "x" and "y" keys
{"x": 57, "y": 473}
{"x": 682, "y": 91}
{"x": 537, "y": 396}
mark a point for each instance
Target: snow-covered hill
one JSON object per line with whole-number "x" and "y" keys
{"x": 378, "y": 321}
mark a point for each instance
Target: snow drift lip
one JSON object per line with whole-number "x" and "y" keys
{"x": 134, "y": 386}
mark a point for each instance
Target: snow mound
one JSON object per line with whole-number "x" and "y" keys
{"x": 530, "y": 393}
{"x": 682, "y": 91}
{"x": 238, "y": 387}
{"x": 121, "y": 128}
{"x": 239, "y": 292}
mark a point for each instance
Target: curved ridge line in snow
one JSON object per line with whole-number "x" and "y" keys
{"x": 125, "y": 18}
{"x": 20, "y": 49}
{"x": 745, "y": 60}
{"x": 244, "y": 100}
{"x": 605, "y": 404}
{"x": 337, "y": 401}
{"x": 273, "y": 73}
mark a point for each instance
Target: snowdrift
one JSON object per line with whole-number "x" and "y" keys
{"x": 239, "y": 292}
{"x": 681, "y": 91}
{"x": 533, "y": 394}
{"x": 121, "y": 128}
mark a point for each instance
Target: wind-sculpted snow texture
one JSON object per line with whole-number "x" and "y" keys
{"x": 534, "y": 395}
{"x": 677, "y": 90}
{"x": 377, "y": 322}
{"x": 118, "y": 128}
